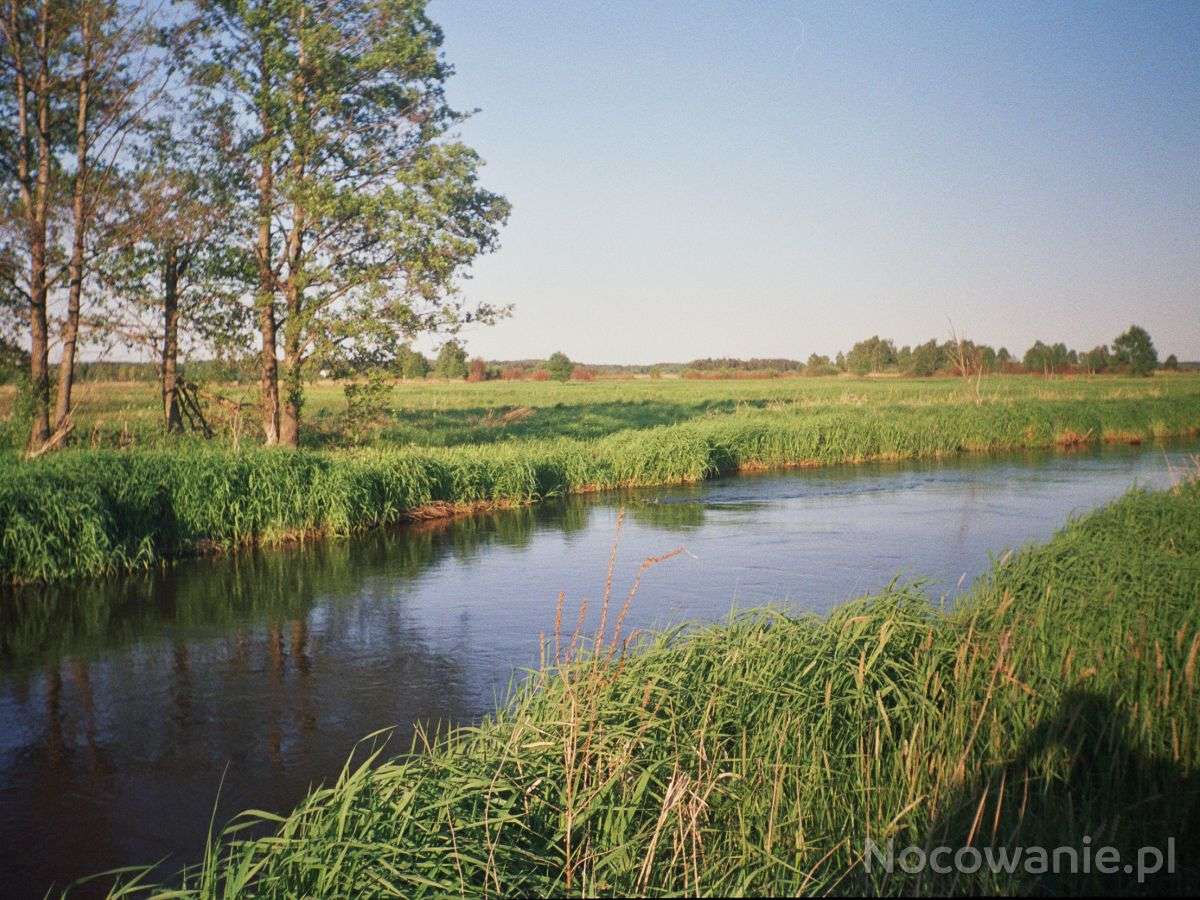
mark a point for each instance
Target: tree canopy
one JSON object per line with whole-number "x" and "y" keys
{"x": 1134, "y": 350}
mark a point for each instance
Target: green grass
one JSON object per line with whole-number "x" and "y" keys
{"x": 1056, "y": 701}
{"x": 445, "y": 414}
{"x": 93, "y": 512}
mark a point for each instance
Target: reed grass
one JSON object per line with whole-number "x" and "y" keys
{"x": 1055, "y": 702}
{"x": 95, "y": 512}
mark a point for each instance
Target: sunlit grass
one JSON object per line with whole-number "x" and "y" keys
{"x": 85, "y": 512}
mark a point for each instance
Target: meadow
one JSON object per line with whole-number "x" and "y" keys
{"x": 130, "y": 498}
{"x": 1053, "y": 706}
{"x": 458, "y": 413}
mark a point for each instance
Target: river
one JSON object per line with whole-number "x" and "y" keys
{"x": 126, "y": 704}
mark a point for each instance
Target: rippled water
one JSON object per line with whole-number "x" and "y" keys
{"x": 124, "y": 703}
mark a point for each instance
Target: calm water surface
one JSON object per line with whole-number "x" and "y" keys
{"x": 122, "y": 704}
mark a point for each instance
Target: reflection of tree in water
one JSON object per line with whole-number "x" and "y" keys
{"x": 210, "y": 596}
{"x": 669, "y": 515}
{"x": 511, "y": 528}
{"x": 1081, "y": 774}
{"x": 121, "y": 752}
{"x": 574, "y": 512}
{"x": 134, "y": 694}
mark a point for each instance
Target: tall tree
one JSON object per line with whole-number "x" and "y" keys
{"x": 235, "y": 54}
{"x": 176, "y": 282}
{"x": 872, "y": 355}
{"x": 75, "y": 75}
{"x": 114, "y": 80}
{"x": 1134, "y": 349}
{"x": 368, "y": 212}
{"x": 451, "y": 361}
{"x": 36, "y": 35}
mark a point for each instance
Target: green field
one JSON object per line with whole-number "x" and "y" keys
{"x": 440, "y": 413}
{"x": 1055, "y": 706}
{"x": 446, "y": 448}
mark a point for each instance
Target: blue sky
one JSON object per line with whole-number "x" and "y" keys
{"x": 777, "y": 178}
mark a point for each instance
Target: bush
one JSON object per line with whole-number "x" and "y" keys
{"x": 477, "y": 371}
{"x": 14, "y": 361}
{"x": 367, "y": 403}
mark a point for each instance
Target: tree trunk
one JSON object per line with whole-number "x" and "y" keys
{"x": 269, "y": 371}
{"x": 269, "y": 368}
{"x": 289, "y": 421}
{"x": 170, "y": 344}
{"x": 293, "y": 330}
{"x": 39, "y": 353}
{"x": 70, "y": 335}
{"x": 37, "y": 207}
{"x": 293, "y": 361}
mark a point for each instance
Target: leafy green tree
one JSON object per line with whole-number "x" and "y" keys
{"x": 989, "y": 358}
{"x": 1048, "y": 359}
{"x": 560, "y": 366}
{"x": 1096, "y": 360}
{"x": 367, "y": 210}
{"x": 74, "y": 84}
{"x": 927, "y": 359}
{"x": 819, "y": 364}
{"x": 410, "y": 363}
{"x": 1135, "y": 351}
{"x": 872, "y": 355}
{"x": 1172, "y": 363}
{"x": 174, "y": 286}
{"x": 451, "y": 361}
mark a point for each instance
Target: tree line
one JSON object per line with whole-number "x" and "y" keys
{"x": 223, "y": 177}
{"x": 1131, "y": 352}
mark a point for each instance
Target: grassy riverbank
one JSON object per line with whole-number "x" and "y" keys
{"x": 1055, "y": 703}
{"x": 93, "y": 512}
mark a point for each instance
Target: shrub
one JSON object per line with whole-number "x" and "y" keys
{"x": 478, "y": 370}
{"x": 367, "y": 402}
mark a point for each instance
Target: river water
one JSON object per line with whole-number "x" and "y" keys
{"x": 126, "y": 704}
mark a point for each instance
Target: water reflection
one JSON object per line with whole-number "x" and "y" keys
{"x": 124, "y": 703}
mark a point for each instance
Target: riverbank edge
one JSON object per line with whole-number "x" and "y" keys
{"x": 892, "y": 718}
{"x": 96, "y": 513}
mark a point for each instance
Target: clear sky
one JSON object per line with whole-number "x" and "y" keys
{"x": 761, "y": 178}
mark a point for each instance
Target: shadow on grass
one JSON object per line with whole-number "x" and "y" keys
{"x": 480, "y": 425}
{"x": 1080, "y": 781}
